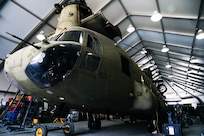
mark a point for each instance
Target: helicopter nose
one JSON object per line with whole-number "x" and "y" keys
{"x": 53, "y": 65}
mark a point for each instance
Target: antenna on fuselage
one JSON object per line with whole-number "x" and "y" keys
{"x": 23, "y": 40}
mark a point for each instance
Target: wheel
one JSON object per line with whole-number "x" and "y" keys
{"x": 151, "y": 126}
{"x": 91, "y": 124}
{"x": 190, "y": 121}
{"x": 162, "y": 88}
{"x": 69, "y": 129}
{"x": 95, "y": 124}
{"x": 40, "y": 130}
{"x": 182, "y": 122}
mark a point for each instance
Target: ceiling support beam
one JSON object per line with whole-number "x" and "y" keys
{"x": 173, "y": 89}
{"x": 200, "y": 101}
{"x": 43, "y": 20}
{"x": 178, "y": 81}
{"x": 132, "y": 23}
{"x": 38, "y": 27}
{"x": 196, "y": 29}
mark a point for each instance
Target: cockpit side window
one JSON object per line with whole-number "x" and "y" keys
{"x": 97, "y": 46}
{"x": 90, "y": 62}
{"x": 90, "y": 42}
{"x": 92, "y": 57}
{"x": 94, "y": 44}
{"x": 125, "y": 65}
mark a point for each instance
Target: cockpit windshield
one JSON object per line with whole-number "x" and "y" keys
{"x": 53, "y": 65}
{"x": 75, "y": 36}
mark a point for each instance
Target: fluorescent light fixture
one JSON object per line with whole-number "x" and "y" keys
{"x": 143, "y": 51}
{"x": 41, "y": 36}
{"x": 168, "y": 65}
{"x": 164, "y": 48}
{"x": 156, "y": 16}
{"x": 130, "y": 28}
{"x": 200, "y": 34}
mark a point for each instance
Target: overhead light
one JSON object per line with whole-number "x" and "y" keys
{"x": 164, "y": 48}
{"x": 168, "y": 65}
{"x": 155, "y": 71}
{"x": 194, "y": 105}
{"x": 171, "y": 76}
{"x": 154, "y": 75}
{"x": 200, "y": 89}
{"x": 189, "y": 71}
{"x": 200, "y": 34}
{"x": 152, "y": 62}
{"x": 156, "y": 16}
{"x": 41, "y": 36}
{"x": 143, "y": 51}
{"x": 194, "y": 60}
{"x": 130, "y": 28}
{"x": 188, "y": 79}
{"x": 153, "y": 67}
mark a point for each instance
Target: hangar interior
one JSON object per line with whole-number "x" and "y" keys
{"x": 181, "y": 22}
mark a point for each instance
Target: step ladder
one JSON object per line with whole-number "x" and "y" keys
{"x": 9, "y": 115}
{"x": 30, "y": 113}
{"x": 28, "y": 110}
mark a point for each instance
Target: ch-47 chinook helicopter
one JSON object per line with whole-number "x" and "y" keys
{"x": 82, "y": 64}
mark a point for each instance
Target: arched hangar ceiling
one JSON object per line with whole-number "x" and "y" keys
{"x": 177, "y": 30}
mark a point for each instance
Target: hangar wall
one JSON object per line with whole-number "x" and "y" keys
{"x": 4, "y": 85}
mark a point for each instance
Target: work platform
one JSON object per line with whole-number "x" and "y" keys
{"x": 109, "y": 128}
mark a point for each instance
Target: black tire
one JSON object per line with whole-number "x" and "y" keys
{"x": 69, "y": 129}
{"x": 182, "y": 122}
{"x": 40, "y": 130}
{"x": 150, "y": 126}
{"x": 190, "y": 121}
{"x": 162, "y": 88}
{"x": 96, "y": 124}
{"x": 91, "y": 124}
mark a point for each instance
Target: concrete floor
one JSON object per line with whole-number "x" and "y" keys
{"x": 109, "y": 128}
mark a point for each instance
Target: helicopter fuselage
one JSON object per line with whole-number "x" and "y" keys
{"x": 86, "y": 70}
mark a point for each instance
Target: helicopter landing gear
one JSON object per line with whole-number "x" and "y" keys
{"x": 94, "y": 122}
{"x": 43, "y": 129}
{"x": 40, "y": 130}
{"x": 68, "y": 129}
